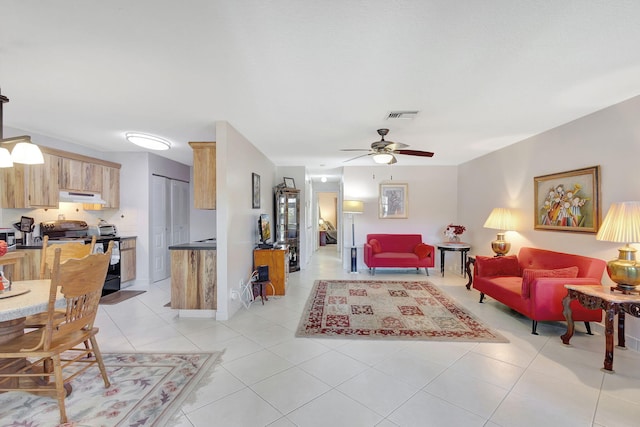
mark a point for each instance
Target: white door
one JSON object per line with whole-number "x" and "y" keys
{"x": 160, "y": 221}
{"x": 179, "y": 212}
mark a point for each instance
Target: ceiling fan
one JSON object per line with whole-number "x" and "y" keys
{"x": 384, "y": 151}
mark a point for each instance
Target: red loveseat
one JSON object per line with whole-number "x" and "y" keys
{"x": 399, "y": 251}
{"x": 532, "y": 283}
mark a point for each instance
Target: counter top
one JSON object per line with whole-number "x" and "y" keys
{"x": 203, "y": 246}
{"x": 38, "y": 245}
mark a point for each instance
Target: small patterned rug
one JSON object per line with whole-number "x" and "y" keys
{"x": 146, "y": 390}
{"x": 389, "y": 309}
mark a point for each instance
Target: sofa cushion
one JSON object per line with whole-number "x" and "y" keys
{"x": 423, "y": 251}
{"x": 531, "y": 274}
{"x": 376, "y": 247}
{"x": 497, "y": 266}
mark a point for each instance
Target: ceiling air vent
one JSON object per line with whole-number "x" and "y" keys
{"x": 407, "y": 115}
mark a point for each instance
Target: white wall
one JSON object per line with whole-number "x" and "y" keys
{"x": 609, "y": 138}
{"x": 237, "y": 221}
{"x": 432, "y": 204}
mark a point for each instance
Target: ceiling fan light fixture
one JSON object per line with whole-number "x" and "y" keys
{"x": 150, "y": 142}
{"x": 382, "y": 158}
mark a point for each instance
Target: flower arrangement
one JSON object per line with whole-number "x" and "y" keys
{"x": 453, "y": 231}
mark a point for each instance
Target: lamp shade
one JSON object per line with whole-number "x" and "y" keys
{"x": 5, "y": 158}
{"x": 353, "y": 206}
{"x": 621, "y": 224}
{"x": 500, "y": 219}
{"x": 27, "y": 153}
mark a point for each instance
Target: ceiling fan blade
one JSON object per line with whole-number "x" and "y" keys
{"x": 355, "y": 149}
{"x": 357, "y": 157}
{"x": 393, "y": 160}
{"x": 396, "y": 146}
{"x": 414, "y": 153}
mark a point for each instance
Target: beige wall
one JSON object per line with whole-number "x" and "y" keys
{"x": 609, "y": 138}
{"x": 432, "y": 203}
{"x": 328, "y": 203}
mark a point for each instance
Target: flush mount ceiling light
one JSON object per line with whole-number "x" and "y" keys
{"x": 148, "y": 141}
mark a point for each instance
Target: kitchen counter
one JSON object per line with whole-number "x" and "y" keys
{"x": 193, "y": 276}
{"x": 204, "y": 245}
{"x": 38, "y": 245}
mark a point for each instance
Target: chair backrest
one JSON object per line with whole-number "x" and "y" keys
{"x": 68, "y": 251}
{"x": 80, "y": 281}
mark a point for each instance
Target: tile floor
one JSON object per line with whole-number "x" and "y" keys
{"x": 269, "y": 377}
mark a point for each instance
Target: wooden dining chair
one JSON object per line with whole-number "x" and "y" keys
{"x": 67, "y": 251}
{"x": 41, "y": 358}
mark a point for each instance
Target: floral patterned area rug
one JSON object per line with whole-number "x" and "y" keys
{"x": 414, "y": 310}
{"x": 146, "y": 390}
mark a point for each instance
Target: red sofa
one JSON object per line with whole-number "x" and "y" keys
{"x": 398, "y": 251}
{"x": 532, "y": 283}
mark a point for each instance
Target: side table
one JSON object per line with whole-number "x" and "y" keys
{"x": 612, "y": 302}
{"x": 463, "y": 248}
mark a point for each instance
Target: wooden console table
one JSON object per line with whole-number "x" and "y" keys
{"x": 612, "y": 302}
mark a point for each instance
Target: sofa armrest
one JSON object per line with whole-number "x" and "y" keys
{"x": 552, "y": 288}
{"x": 367, "y": 254}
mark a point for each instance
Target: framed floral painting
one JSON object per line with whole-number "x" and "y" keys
{"x": 568, "y": 201}
{"x": 394, "y": 201}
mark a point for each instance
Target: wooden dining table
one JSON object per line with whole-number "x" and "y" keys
{"x": 25, "y": 298}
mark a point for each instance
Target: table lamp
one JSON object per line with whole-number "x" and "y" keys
{"x": 353, "y": 207}
{"x": 622, "y": 224}
{"x": 500, "y": 219}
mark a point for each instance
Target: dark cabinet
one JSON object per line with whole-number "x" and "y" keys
{"x": 287, "y": 206}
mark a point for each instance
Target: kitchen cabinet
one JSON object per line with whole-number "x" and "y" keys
{"x": 78, "y": 175}
{"x": 127, "y": 259}
{"x": 287, "y": 207}
{"x": 204, "y": 175}
{"x": 38, "y": 186}
{"x": 30, "y": 186}
{"x": 193, "y": 277}
{"x": 278, "y": 262}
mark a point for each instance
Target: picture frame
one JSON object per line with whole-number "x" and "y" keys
{"x": 568, "y": 201}
{"x": 393, "y": 201}
{"x": 289, "y": 182}
{"x": 255, "y": 191}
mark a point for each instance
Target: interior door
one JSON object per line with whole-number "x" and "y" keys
{"x": 160, "y": 220}
{"x": 179, "y": 212}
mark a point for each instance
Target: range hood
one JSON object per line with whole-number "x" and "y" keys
{"x": 78, "y": 197}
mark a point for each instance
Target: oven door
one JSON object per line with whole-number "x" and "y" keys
{"x": 112, "y": 281}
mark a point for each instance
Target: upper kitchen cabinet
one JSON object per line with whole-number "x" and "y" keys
{"x": 111, "y": 187}
{"x": 42, "y": 190}
{"x": 77, "y": 175}
{"x": 30, "y": 186}
{"x": 204, "y": 175}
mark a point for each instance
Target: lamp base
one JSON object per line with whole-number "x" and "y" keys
{"x": 624, "y": 270}
{"x": 500, "y": 246}
{"x": 354, "y": 260}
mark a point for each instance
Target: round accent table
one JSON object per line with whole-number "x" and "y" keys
{"x": 461, "y": 247}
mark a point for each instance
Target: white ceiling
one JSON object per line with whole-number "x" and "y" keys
{"x": 302, "y": 79}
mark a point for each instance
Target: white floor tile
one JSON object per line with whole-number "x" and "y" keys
{"x": 270, "y": 377}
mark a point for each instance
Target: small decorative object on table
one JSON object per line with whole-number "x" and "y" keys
{"x": 453, "y": 232}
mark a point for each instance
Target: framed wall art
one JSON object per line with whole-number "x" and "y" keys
{"x": 255, "y": 191}
{"x": 568, "y": 201}
{"x": 394, "y": 201}
{"x": 289, "y": 182}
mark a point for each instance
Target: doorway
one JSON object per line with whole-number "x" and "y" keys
{"x": 328, "y": 218}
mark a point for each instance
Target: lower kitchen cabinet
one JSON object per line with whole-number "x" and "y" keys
{"x": 193, "y": 277}
{"x": 127, "y": 259}
{"x": 278, "y": 262}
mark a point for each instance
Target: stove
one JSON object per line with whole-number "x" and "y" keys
{"x": 74, "y": 230}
